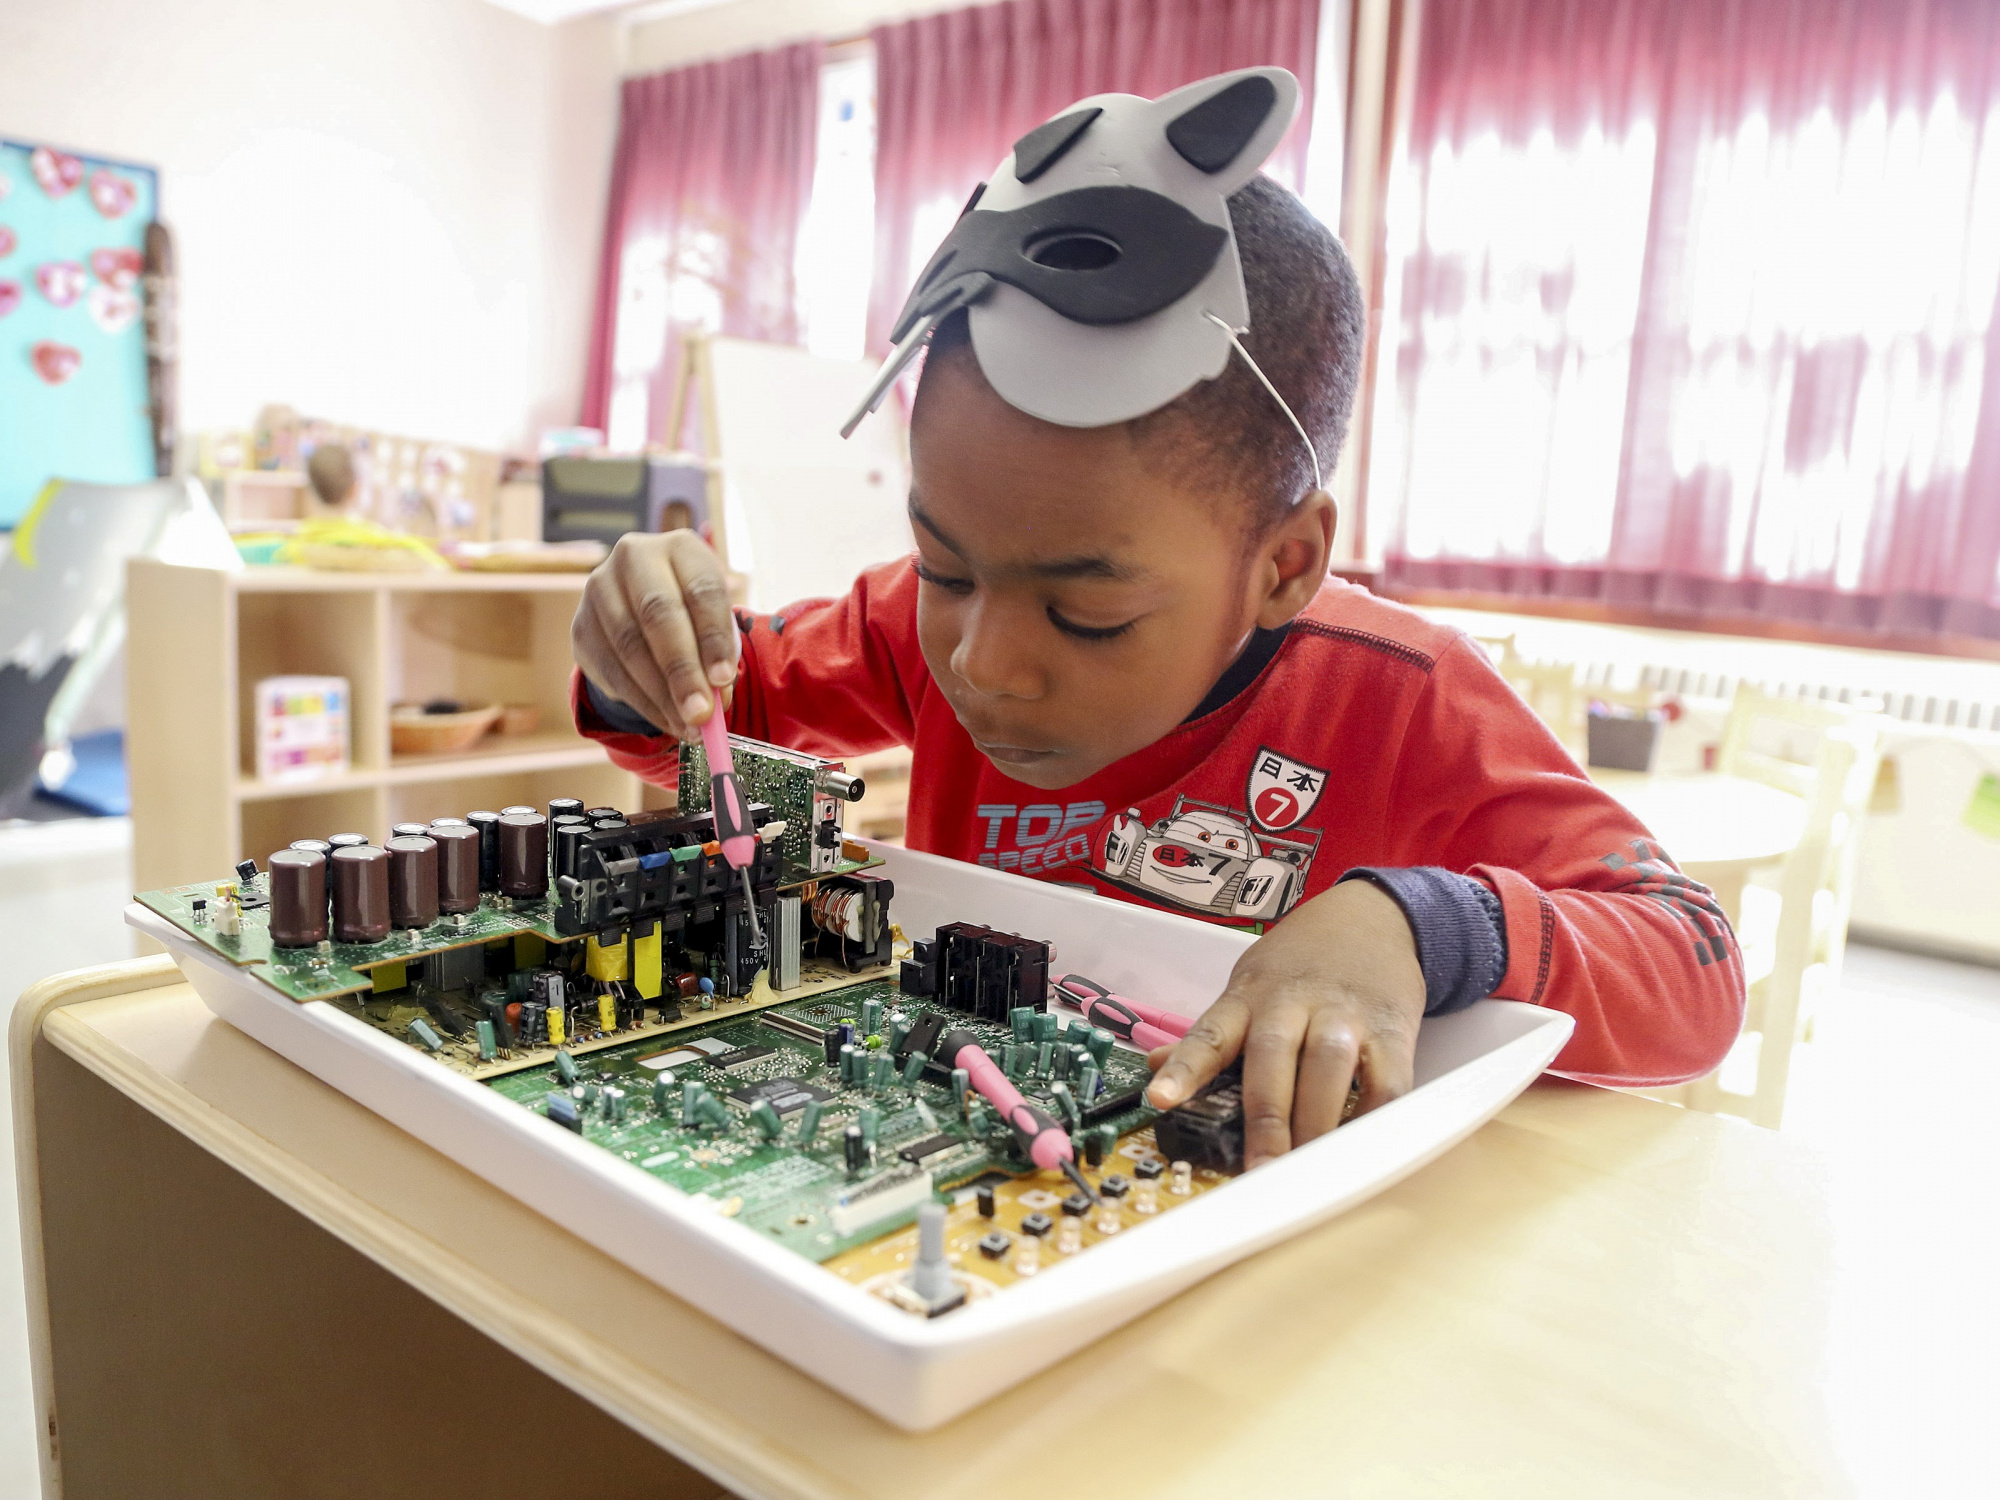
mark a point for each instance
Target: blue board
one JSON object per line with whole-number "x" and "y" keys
{"x": 73, "y": 232}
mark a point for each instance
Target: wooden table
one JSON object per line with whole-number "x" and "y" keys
{"x": 1717, "y": 828}
{"x": 244, "y": 1284}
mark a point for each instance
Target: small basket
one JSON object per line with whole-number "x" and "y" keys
{"x": 418, "y": 729}
{"x": 1621, "y": 742}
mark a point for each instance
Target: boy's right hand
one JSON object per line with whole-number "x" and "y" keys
{"x": 654, "y": 629}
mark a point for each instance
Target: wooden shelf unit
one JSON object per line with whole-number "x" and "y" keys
{"x": 200, "y": 639}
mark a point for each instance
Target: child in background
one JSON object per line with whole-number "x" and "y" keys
{"x": 1120, "y": 662}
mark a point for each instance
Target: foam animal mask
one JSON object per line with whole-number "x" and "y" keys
{"x": 1098, "y": 262}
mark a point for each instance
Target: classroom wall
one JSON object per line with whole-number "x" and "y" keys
{"x": 675, "y": 40}
{"x": 387, "y": 212}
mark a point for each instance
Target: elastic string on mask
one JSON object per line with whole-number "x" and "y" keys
{"x": 1319, "y": 481}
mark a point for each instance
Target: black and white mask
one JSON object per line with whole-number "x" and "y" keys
{"x": 1098, "y": 263}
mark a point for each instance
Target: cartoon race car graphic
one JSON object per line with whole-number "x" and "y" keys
{"x": 1206, "y": 859}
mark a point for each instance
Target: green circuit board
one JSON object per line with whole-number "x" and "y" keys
{"x": 801, "y": 1194}
{"x": 784, "y": 780}
{"x": 341, "y": 968}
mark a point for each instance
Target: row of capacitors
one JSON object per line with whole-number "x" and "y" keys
{"x": 348, "y": 889}
{"x": 1113, "y": 1191}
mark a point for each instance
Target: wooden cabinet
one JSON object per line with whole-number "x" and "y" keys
{"x": 199, "y": 640}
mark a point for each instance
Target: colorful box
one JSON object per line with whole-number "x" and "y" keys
{"x": 302, "y": 728}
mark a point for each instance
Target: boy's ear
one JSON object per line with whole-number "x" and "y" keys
{"x": 1293, "y": 558}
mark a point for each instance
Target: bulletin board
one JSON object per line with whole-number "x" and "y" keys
{"x": 73, "y": 398}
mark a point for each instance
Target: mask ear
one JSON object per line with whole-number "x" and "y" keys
{"x": 1225, "y": 127}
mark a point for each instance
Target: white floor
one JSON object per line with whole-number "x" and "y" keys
{"x": 1897, "y": 1091}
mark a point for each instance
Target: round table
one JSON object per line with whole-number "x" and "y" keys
{"x": 1717, "y": 828}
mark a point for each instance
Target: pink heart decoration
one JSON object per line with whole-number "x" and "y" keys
{"x": 55, "y": 363}
{"x": 10, "y": 297}
{"x": 7, "y": 242}
{"x": 56, "y": 172}
{"x": 118, "y": 268}
{"x": 110, "y": 193}
{"x": 112, "y": 308}
{"x": 61, "y": 281}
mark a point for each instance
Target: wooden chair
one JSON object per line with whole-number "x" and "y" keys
{"x": 1549, "y": 688}
{"x": 1793, "y": 938}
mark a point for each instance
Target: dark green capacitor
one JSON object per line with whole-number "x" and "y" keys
{"x": 1064, "y": 1061}
{"x": 809, "y": 1122}
{"x": 714, "y": 1112}
{"x": 423, "y": 1032}
{"x": 961, "y": 1086}
{"x": 871, "y": 1015}
{"x": 488, "y": 1047}
{"x": 614, "y": 1104}
{"x": 899, "y": 1027}
{"x": 663, "y": 1092}
{"x": 1087, "y": 1084}
{"x": 765, "y": 1118}
{"x": 1045, "y": 1057}
{"x": 1100, "y": 1044}
{"x": 870, "y": 1121}
{"x": 1066, "y": 1105}
{"x": 692, "y": 1093}
{"x": 1023, "y": 1021}
{"x": 850, "y": 1055}
{"x": 913, "y": 1069}
{"x": 1045, "y": 1026}
{"x": 1010, "y": 1058}
{"x": 881, "y": 1071}
{"x": 565, "y": 1066}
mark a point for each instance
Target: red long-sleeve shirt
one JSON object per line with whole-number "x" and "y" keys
{"x": 1372, "y": 738}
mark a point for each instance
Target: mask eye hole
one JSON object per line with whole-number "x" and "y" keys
{"x": 1073, "y": 250}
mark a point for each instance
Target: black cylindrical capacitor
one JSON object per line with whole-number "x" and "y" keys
{"x": 983, "y": 1196}
{"x": 298, "y": 898}
{"x": 314, "y": 846}
{"x": 409, "y": 830}
{"x": 458, "y": 868}
{"x": 449, "y": 823}
{"x": 348, "y": 840}
{"x": 609, "y": 824}
{"x": 488, "y": 824}
{"x": 556, "y": 826}
{"x": 560, "y": 807}
{"x": 569, "y": 839}
{"x": 594, "y": 813}
{"x": 360, "y": 894}
{"x": 524, "y": 854}
{"x": 857, "y": 1149}
{"x": 413, "y": 881}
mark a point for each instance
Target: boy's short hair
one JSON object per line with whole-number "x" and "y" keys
{"x": 1308, "y": 327}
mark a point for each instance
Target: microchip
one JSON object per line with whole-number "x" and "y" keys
{"x": 929, "y": 1146}
{"x": 786, "y": 1095}
{"x": 742, "y": 1057}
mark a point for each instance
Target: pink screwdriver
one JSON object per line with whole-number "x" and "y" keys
{"x": 1134, "y": 1021}
{"x": 733, "y": 828}
{"x": 1046, "y": 1142}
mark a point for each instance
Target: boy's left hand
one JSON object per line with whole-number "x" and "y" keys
{"x": 1333, "y": 989}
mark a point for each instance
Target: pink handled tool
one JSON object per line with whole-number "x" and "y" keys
{"x": 1133, "y": 1021}
{"x": 733, "y": 828}
{"x": 1045, "y": 1141}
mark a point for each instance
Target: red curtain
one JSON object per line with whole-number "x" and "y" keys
{"x": 1692, "y": 308}
{"x": 954, "y": 92}
{"x": 711, "y": 178}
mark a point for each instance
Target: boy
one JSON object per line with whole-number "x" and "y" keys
{"x": 1120, "y": 663}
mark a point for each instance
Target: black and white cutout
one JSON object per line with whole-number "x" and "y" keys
{"x": 1098, "y": 260}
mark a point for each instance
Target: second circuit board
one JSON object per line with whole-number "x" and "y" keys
{"x": 803, "y": 1191}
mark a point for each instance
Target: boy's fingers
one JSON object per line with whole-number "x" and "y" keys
{"x": 1326, "y": 1072}
{"x": 603, "y": 665}
{"x": 668, "y": 637}
{"x": 1270, "y": 1078}
{"x": 706, "y": 595}
{"x": 1388, "y": 1070}
{"x": 1210, "y": 1046}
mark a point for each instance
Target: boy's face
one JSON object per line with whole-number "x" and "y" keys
{"x": 1074, "y": 607}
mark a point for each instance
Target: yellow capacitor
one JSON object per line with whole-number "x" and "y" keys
{"x": 555, "y": 1022}
{"x": 607, "y": 964}
{"x": 529, "y": 949}
{"x": 607, "y": 1014}
{"x": 646, "y": 963}
{"x": 388, "y": 977}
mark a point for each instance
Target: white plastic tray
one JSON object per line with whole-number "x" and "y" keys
{"x": 918, "y": 1374}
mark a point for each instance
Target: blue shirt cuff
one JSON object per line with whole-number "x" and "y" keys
{"x": 618, "y": 716}
{"x": 1460, "y": 934}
